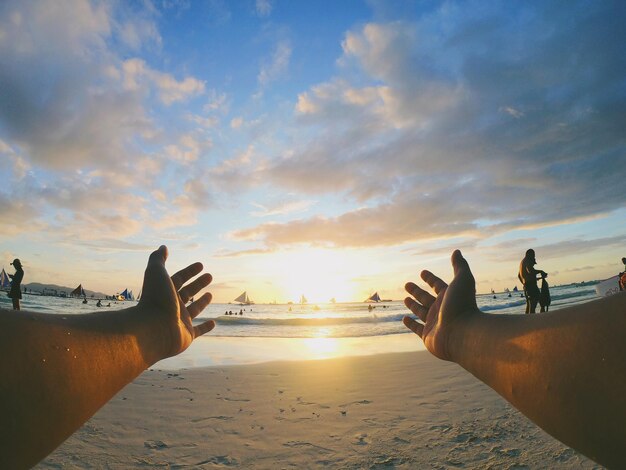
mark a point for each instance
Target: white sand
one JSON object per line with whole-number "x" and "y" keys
{"x": 405, "y": 410}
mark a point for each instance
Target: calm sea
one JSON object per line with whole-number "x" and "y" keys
{"x": 313, "y": 331}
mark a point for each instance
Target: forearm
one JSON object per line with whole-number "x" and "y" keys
{"x": 565, "y": 370}
{"x": 59, "y": 370}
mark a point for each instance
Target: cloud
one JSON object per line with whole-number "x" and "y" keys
{"x": 561, "y": 249}
{"x": 282, "y": 208}
{"x": 204, "y": 122}
{"x": 277, "y": 65}
{"x": 137, "y": 74}
{"x": 438, "y": 133}
{"x": 77, "y": 121}
{"x": 241, "y": 253}
{"x": 188, "y": 149}
{"x": 263, "y": 8}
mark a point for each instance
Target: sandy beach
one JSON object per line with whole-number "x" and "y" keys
{"x": 403, "y": 410}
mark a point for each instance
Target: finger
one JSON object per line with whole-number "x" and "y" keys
{"x": 417, "y": 309}
{"x": 423, "y": 297}
{"x": 196, "y": 307}
{"x": 158, "y": 257}
{"x": 193, "y": 288}
{"x": 185, "y": 274}
{"x": 203, "y": 328}
{"x": 433, "y": 281}
{"x": 459, "y": 264}
{"x": 414, "y": 326}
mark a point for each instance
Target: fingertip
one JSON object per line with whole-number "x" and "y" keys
{"x": 408, "y": 287}
{"x": 204, "y": 328}
{"x": 458, "y": 261}
{"x": 159, "y": 255}
{"x": 413, "y": 325}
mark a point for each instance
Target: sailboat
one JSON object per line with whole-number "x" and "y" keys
{"x": 126, "y": 295}
{"x": 243, "y": 299}
{"x": 303, "y": 300}
{"x": 5, "y": 282}
{"x": 332, "y": 301}
{"x": 374, "y": 298}
{"x": 78, "y": 292}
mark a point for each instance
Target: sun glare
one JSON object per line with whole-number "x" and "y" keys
{"x": 317, "y": 274}
{"x": 322, "y": 348}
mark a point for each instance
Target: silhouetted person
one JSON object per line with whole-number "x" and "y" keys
{"x": 622, "y": 277}
{"x": 528, "y": 276}
{"x": 16, "y": 280}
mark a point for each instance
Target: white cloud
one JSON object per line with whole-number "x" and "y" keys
{"x": 78, "y": 113}
{"x": 263, "y": 8}
{"x": 188, "y": 148}
{"x": 423, "y": 113}
{"x": 512, "y": 111}
{"x": 205, "y": 122}
{"x": 283, "y": 208}
{"x": 137, "y": 74}
{"x": 236, "y": 123}
{"x": 277, "y": 65}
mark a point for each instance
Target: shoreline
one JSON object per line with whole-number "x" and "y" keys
{"x": 402, "y": 410}
{"x": 219, "y": 351}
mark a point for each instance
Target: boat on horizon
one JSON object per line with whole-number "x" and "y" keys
{"x": 243, "y": 299}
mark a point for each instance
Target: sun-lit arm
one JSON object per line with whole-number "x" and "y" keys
{"x": 58, "y": 370}
{"x": 565, "y": 370}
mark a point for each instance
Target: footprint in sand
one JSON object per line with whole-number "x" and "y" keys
{"x": 155, "y": 444}
{"x": 359, "y": 440}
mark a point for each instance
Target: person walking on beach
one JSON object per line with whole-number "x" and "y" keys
{"x": 16, "y": 280}
{"x": 528, "y": 276}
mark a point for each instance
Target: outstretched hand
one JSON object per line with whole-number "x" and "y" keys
{"x": 164, "y": 300}
{"x": 440, "y": 315}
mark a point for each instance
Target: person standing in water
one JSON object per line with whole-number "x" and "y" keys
{"x": 528, "y": 276}
{"x": 16, "y": 284}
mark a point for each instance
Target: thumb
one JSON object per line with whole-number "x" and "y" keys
{"x": 158, "y": 257}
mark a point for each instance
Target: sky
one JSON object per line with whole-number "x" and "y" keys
{"x": 325, "y": 148}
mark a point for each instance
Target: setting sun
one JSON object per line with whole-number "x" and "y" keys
{"x": 318, "y": 274}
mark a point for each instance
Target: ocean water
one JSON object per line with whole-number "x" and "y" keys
{"x": 294, "y": 332}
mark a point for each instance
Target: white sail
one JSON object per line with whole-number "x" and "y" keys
{"x": 5, "y": 282}
{"x": 303, "y": 300}
{"x": 243, "y": 298}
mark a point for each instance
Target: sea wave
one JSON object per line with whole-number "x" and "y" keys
{"x": 228, "y": 320}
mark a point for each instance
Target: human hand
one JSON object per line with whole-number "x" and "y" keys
{"x": 164, "y": 300}
{"x": 454, "y": 304}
